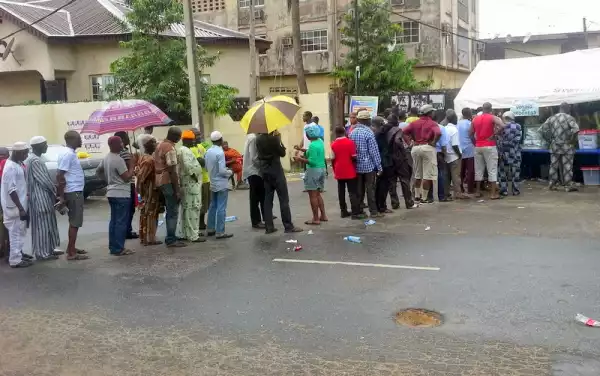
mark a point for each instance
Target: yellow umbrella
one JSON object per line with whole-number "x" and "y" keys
{"x": 269, "y": 114}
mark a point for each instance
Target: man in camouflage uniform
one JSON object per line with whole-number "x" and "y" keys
{"x": 560, "y": 131}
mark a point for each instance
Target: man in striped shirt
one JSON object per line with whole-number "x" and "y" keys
{"x": 368, "y": 162}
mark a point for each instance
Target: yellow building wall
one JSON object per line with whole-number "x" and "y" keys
{"x": 317, "y": 83}
{"x": 19, "y": 87}
{"x": 442, "y": 78}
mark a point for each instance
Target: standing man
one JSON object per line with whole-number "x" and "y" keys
{"x": 413, "y": 114}
{"x": 510, "y": 160}
{"x": 402, "y": 163}
{"x": 368, "y": 161}
{"x": 219, "y": 181}
{"x": 4, "y": 243}
{"x": 129, "y": 160}
{"x": 467, "y": 145}
{"x": 440, "y": 147}
{"x": 270, "y": 150}
{"x": 343, "y": 157}
{"x": 199, "y": 152}
{"x": 425, "y": 133}
{"x": 453, "y": 158}
{"x": 190, "y": 175}
{"x": 42, "y": 197}
{"x": 13, "y": 196}
{"x": 485, "y": 129}
{"x": 251, "y": 174}
{"x": 560, "y": 132}
{"x": 352, "y": 121}
{"x": 118, "y": 174}
{"x": 307, "y": 118}
{"x": 167, "y": 180}
{"x": 71, "y": 181}
{"x": 384, "y": 181}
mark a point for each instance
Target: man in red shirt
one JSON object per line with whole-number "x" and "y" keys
{"x": 343, "y": 156}
{"x": 425, "y": 133}
{"x": 485, "y": 129}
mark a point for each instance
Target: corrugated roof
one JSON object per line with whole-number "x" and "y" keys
{"x": 95, "y": 17}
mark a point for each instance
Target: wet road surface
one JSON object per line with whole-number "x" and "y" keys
{"x": 512, "y": 275}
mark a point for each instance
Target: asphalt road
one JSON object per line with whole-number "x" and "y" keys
{"x": 512, "y": 275}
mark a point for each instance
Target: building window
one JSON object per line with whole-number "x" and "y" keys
{"x": 313, "y": 40}
{"x": 283, "y": 90}
{"x": 265, "y": 38}
{"x": 246, "y": 3}
{"x": 99, "y": 85}
{"x": 463, "y": 10}
{"x": 200, "y": 6}
{"x": 464, "y": 56}
{"x": 410, "y": 32}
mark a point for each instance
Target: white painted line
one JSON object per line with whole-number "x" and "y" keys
{"x": 430, "y": 268}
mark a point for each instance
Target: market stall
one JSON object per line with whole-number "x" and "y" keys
{"x": 533, "y": 88}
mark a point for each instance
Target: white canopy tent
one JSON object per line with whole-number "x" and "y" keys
{"x": 572, "y": 77}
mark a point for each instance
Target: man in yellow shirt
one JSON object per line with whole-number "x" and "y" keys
{"x": 199, "y": 152}
{"x": 413, "y": 115}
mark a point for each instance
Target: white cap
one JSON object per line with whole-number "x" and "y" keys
{"x": 216, "y": 136}
{"x": 18, "y": 146}
{"x": 509, "y": 115}
{"x": 37, "y": 140}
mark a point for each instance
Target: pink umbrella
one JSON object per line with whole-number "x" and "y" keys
{"x": 126, "y": 115}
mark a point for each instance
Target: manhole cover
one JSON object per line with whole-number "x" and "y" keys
{"x": 418, "y": 318}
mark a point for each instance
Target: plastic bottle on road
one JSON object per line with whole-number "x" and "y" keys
{"x": 353, "y": 239}
{"x": 231, "y": 219}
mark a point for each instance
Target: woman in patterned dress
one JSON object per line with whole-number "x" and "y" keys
{"x": 151, "y": 205}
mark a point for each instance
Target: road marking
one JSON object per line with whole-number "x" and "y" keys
{"x": 430, "y": 268}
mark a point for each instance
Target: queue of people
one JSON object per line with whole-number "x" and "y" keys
{"x": 189, "y": 181}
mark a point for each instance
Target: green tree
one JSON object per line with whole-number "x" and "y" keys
{"x": 381, "y": 71}
{"x": 156, "y": 67}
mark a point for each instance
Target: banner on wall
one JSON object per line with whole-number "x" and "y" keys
{"x": 91, "y": 143}
{"x": 370, "y": 103}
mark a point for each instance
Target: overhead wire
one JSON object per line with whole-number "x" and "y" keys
{"x": 39, "y": 19}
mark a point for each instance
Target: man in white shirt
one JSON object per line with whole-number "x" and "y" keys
{"x": 453, "y": 157}
{"x": 13, "y": 195}
{"x": 71, "y": 181}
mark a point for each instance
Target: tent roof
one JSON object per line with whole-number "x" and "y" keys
{"x": 572, "y": 77}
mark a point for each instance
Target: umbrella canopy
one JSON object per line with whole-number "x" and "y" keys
{"x": 125, "y": 115}
{"x": 269, "y": 114}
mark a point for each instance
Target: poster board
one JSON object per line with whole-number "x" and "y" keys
{"x": 370, "y": 103}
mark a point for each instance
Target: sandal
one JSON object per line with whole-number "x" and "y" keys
{"x": 77, "y": 257}
{"x": 125, "y": 252}
{"x": 156, "y": 242}
{"x": 81, "y": 251}
{"x": 312, "y": 223}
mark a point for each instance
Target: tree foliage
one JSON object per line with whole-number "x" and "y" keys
{"x": 156, "y": 67}
{"x": 381, "y": 71}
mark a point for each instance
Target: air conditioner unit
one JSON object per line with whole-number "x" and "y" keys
{"x": 286, "y": 42}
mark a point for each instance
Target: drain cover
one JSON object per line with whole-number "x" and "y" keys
{"x": 418, "y": 318}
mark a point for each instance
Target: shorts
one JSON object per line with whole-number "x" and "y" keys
{"x": 314, "y": 179}
{"x": 486, "y": 157}
{"x": 424, "y": 162}
{"x": 74, "y": 201}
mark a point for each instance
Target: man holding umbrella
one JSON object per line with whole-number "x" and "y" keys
{"x": 270, "y": 150}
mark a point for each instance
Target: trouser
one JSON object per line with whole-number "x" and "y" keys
{"x": 467, "y": 174}
{"x": 217, "y": 211}
{"x": 366, "y": 185}
{"x": 437, "y": 188}
{"x": 510, "y": 164}
{"x": 257, "y": 199}
{"x": 382, "y": 188}
{"x": 205, "y": 192}
{"x": 394, "y": 198}
{"x": 131, "y": 210}
{"x": 172, "y": 212}
{"x": 486, "y": 158}
{"x": 17, "y": 229}
{"x": 453, "y": 175}
{"x": 405, "y": 185}
{"x": 275, "y": 182}
{"x": 352, "y": 192}
{"x": 561, "y": 166}
{"x": 117, "y": 227}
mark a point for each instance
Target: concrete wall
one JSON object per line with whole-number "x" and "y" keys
{"x": 30, "y": 53}
{"x": 19, "y": 87}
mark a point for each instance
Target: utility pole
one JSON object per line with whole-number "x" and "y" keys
{"x": 356, "y": 47}
{"x": 252, "y": 44}
{"x": 585, "y": 33}
{"x": 192, "y": 66}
